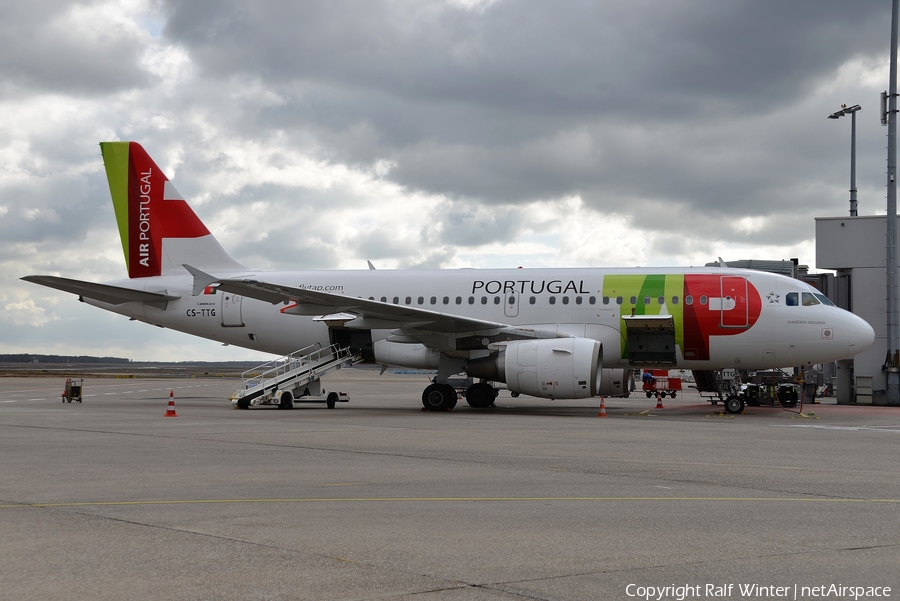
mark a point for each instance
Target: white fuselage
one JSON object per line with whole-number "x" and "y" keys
{"x": 762, "y": 332}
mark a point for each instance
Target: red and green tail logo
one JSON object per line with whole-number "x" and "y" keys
{"x": 148, "y": 207}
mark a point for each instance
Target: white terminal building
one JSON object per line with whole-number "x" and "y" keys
{"x": 854, "y": 247}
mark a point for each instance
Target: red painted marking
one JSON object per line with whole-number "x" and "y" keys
{"x": 701, "y": 322}
{"x": 151, "y": 218}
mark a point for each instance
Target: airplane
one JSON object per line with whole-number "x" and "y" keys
{"x": 568, "y": 333}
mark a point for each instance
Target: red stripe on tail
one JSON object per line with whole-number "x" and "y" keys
{"x": 152, "y": 217}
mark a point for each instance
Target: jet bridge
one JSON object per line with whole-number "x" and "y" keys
{"x": 294, "y": 378}
{"x": 651, "y": 339}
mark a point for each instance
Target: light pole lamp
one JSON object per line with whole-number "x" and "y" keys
{"x": 850, "y": 110}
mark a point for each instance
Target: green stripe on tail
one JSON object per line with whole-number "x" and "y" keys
{"x": 115, "y": 158}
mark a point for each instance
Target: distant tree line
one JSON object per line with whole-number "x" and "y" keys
{"x": 59, "y": 359}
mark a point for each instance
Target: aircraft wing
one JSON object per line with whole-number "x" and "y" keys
{"x": 376, "y": 314}
{"x": 114, "y": 295}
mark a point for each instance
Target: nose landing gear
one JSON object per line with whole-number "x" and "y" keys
{"x": 734, "y": 404}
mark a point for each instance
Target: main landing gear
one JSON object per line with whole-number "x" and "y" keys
{"x": 442, "y": 397}
{"x": 480, "y": 395}
{"x": 439, "y": 397}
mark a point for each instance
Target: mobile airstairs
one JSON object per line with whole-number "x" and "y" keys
{"x": 294, "y": 378}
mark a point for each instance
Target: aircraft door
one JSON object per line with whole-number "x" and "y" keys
{"x": 511, "y": 303}
{"x": 231, "y": 310}
{"x": 735, "y": 307}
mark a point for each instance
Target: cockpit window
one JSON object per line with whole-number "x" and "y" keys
{"x": 825, "y": 300}
{"x": 809, "y": 299}
{"x": 791, "y": 299}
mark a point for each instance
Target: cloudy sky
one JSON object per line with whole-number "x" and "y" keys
{"x": 427, "y": 133}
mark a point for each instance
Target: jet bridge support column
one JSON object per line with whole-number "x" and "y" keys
{"x": 843, "y": 389}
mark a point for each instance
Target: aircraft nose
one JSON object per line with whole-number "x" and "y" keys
{"x": 861, "y": 335}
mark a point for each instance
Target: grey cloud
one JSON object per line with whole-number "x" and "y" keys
{"x": 433, "y": 260}
{"x": 561, "y": 58}
{"x": 469, "y": 103}
{"x": 379, "y": 245}
{"x": 54, "y": 211}
{"x": 37, "y": 55}
{"x": 463, "y": 226}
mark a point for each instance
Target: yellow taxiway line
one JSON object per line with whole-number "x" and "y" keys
{"x": 447, "y": 500}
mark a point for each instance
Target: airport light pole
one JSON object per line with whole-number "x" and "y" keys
{"x": 892, "y": 361}
{"x": 850, "y": 110}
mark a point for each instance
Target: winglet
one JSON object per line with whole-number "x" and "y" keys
{"x": 371, "y": 267}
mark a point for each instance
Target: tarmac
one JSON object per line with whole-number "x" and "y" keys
{"x": 377, "y": 499}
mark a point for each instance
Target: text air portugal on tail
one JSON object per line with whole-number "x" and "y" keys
{"x": 550, "y": 333}
{"x": 159, "y": 230}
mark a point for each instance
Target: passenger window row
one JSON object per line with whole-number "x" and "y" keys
{"x": 484, "y": 300}
{"x": 792, "y": 299}
{"x": 647, "y": 300}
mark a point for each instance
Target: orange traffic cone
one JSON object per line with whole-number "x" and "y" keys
{"x": 659, "y": 404}
{"x": 602, "y": 408}
{"x": 170, "y": 410}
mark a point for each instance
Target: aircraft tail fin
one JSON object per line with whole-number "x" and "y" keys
{"x": 159, "y": 230}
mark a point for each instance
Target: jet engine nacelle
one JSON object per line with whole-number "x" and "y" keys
{"x": 615, "y": 382}
{"x": 558, "y": 368}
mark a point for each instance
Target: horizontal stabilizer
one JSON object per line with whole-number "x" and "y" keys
{"x": 113, "y": 295}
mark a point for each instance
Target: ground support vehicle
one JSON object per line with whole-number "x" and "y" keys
{"x": 294, "y": 379}
{"x": 660, "y": 382}
{"x": 769, "y": 394}
{"x": 72, "y": 391}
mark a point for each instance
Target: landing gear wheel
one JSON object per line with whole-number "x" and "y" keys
{"x": 286, "y": 401}
{"x": 451, "y": 392}
{"x": 243, "y": 403}
{"x": 439, "y": 397}
{"x": 514, "y": 394}
{"x": 331, "y": 400}
{"x": 649, "y": 394}
{"x": 480, "y": 395}
{"x": 672, "y": 394}
{"x": 734, "y": 404}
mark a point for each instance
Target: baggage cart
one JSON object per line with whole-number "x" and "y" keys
{"x": 72, "y": 391}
